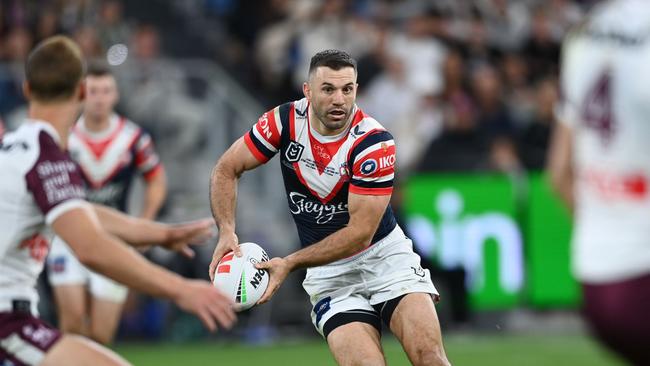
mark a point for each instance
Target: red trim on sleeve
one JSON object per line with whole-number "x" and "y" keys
{"x": 253, "y": 149}
{"x": 152, "y": 173}
{"x": 370, "y": 191}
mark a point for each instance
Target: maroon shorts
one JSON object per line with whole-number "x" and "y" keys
{"x": 619, "y": 315}
{"x": 25, "y": 339}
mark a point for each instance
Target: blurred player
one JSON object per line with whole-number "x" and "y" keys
{"x": 600, "y": 164}
{"x": 338, "y": 168}
{"x": 111, "y": 151}
{"x": 42, "y": 188}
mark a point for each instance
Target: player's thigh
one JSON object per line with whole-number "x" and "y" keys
{"x": 72, "y": 308}
{"x": 105, "y": 316}
{"x": 415, "y": 323}
{"x": 356, "y": 344}
{"x": 78, "y": 351}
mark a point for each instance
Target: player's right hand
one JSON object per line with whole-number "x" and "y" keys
{"x": 227, "y": 243}
{"x": 208, "y": 303}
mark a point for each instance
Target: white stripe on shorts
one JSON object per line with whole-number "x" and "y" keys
{"x": 22, "y": 350}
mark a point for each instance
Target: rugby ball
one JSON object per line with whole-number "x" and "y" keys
{"x": 238, "y": 277}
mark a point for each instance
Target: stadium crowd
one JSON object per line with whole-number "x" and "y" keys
{"x": 476, "y": 79}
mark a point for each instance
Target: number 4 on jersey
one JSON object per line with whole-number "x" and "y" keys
{"x": 597, "y": 109}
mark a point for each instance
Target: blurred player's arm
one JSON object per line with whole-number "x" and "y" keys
{"x": 223, "y": 196}
{"x": 80, "y": 227}
{"x": 560, "y": 163}
{"x": 365, "y": 211}
{"x": 139, "y": 232}
{"x": 155, "y": 193}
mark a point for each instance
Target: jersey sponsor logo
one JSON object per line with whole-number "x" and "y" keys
{"x": 107, "y": 195}
{"x": 386, "y": 161}
{"x": 322, "y": 213}
{"x": 264, "y": 125}
{"x": 368, "y": 167}
{"x": 294, "y": 151}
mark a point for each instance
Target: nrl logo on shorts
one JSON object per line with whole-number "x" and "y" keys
{"x": 294, "y": 152}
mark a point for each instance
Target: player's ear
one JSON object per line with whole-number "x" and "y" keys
{"x": 306, "y": 90}
{"x": 27, "y": 91}
{"x": 81, "y": 90}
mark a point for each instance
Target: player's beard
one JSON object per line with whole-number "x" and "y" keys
{"x": 334, "y": 119}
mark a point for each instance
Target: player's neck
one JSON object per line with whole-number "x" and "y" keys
{"x": 94, "y": 124}
{"x": 60, "y": 115}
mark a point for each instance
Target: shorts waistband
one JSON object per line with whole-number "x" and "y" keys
{"x": 394, "y": 235}
{"x": 15, "y": 306}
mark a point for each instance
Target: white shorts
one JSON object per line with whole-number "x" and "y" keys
{"x": 385, "y": 271}
{"x": 65, "y": 269}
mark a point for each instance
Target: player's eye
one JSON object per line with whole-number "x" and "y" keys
{"x": 347, "y": 90}
{"x": 328, "y": 89}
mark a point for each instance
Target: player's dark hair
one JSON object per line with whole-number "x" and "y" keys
{"x": 98, "y": 68}
{"x": 334, "y": 59}
{"x": 54, "y": 69}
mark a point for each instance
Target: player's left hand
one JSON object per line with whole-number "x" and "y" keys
{"x": 278, "y": 271}
{"x": 179, "y": 236}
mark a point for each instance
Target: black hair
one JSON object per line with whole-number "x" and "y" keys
{"x": 334, "y": 59}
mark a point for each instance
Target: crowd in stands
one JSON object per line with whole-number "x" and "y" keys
{"x": 463, "y": 84}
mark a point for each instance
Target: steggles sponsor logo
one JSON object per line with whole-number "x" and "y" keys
{"x": 322, "y": 213}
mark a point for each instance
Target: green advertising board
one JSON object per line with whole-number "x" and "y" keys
{"x": 511, "y": 237}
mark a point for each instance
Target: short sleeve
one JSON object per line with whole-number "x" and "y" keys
{"x": 147, "y": 160}
{"x": 263, "y": 140}
{"x": 567, "y": 111}
{"x": 54, "y": 180}
{"x": 373, "y": 164}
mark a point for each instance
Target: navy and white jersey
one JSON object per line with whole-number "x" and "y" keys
{"x": 39, "y": 183}
{"x": 112, "y": 158}
{"x": 319, "y": 171}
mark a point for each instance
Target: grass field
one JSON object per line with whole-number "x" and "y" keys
{"x": 506, "y": 350}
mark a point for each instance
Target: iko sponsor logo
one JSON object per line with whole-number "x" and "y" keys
{"x": 386, "y": 161}
{"x": 294, "y": 152}
{"x": 299, "y": 204}
{"x": 369, "y": 166}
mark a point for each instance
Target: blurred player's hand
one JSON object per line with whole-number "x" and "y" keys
{"x": 227, "y": 242}
{"x": 278, "y": 271}
{"x": 209, "y": 304}
{"x": 179, "y": 236}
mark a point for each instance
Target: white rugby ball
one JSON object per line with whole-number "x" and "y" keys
{"x": 238, "y": 277}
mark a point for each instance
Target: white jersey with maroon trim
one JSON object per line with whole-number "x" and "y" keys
{"x": 605, "y": 79}
{"x": 319, "y": 171}
{"x": 111, "y": 159}
{"x": 39, "y": 183}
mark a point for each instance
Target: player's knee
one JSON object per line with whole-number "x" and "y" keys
{"x": 101, "y": 336}
{"x": 427, "y": 356}
{"x": 368, "y": 361}
{"x": 73, "y": 322}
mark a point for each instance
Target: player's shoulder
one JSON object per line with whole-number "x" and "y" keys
{"x": 33, "y": 141}
{"x": 365, "y": 126}
{"x": 128, "y": 126}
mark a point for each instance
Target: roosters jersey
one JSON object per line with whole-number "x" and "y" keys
{"x": 319, "y": 171}
{"x": 39, "y": 183}
{"x": 111, "y": 159}
{"x": 605, "y": 80}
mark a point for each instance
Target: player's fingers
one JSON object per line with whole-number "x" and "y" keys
{"x": 207, "y": 320}
{"x": 268, "y": 293}
{"x": 224, "y": 315}
{"x": 186, "y": 251}
{"x": 237, "y": 250}
{"x": 212, "y": 268}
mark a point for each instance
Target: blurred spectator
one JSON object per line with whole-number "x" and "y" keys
{"x": 332, "y": 26}
{"x": 542, "y": 49}
{"x": 535, "y": 137}
{"x": 86, "y": 37}
{"x": 111, "y": 26}
{"x": 517, "y": 92}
